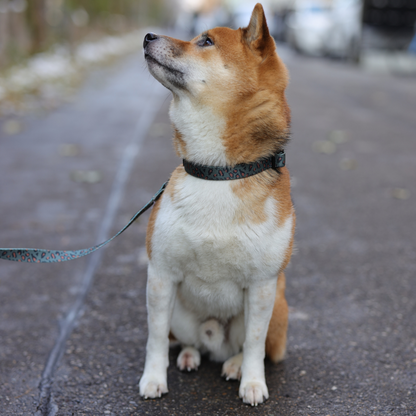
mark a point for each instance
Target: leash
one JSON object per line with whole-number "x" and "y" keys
{"x": 34, "y": 255}
{"x": 213, "y": 173}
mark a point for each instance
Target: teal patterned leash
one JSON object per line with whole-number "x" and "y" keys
{"x": 33, "y": 255}
{"x": 213, "y": 173}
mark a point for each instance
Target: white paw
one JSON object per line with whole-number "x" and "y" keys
{"x": 253, "y": 392}
{"x": 189, "y": 359}
{"x": 152, "y": 387}
{"x": 231, "y": 369}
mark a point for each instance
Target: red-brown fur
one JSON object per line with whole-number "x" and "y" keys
{"x": 257, "y": 125}
{"x": 257, "y": 114}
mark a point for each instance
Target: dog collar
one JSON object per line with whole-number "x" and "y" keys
{"x": 240, "y": 171}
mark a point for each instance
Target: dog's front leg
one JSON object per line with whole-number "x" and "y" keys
{"x": 258, "y": 306}
{"x": 161, "y": 293}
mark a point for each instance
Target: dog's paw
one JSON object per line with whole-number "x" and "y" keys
{"x": 231, "y": 369}
{"x": 152, "y": 387}
{"x": 189, "y": 359}
{"x": 253, "y": 392}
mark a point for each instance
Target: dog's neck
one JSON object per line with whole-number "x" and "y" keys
{"x": 210, "y": 136}
{"x": 198, "y": 133}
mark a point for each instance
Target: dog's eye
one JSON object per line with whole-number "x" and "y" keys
{"x": 206, "y": 42}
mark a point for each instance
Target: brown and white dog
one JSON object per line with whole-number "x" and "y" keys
{"x": 217, "y": 249}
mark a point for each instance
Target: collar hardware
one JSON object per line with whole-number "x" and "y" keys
{"x": 279, "y": 160}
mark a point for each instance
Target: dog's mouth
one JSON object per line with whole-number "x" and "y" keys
{"x": 152, "y": 60}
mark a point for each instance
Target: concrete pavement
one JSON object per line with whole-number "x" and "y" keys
{"x": 351, "y": 284}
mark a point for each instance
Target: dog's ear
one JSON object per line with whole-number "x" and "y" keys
{"x": 256, "y": 34}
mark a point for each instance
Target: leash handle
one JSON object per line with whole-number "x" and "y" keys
{"x": 35, "y": 255}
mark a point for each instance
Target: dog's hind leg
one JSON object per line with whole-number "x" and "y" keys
{"x": 188, "y": 359}
{"x": 184, "y": 327}
{"x": 276, "y": 335}
{"x": 231, "y": 369}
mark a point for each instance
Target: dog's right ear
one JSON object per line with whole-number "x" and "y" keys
{"x": 256, "y": 34}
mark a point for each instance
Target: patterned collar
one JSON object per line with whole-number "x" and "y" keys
{"x": 240, "y": 171}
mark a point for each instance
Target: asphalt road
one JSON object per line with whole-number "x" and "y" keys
{"x": 72, "y": 335}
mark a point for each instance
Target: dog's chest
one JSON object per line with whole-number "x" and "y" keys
{"x": 199, "y": 238}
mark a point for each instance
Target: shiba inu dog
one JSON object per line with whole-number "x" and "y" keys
{"x": 217, "y": 249}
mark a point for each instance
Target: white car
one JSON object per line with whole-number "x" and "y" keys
{"x": 317, "y": 28}
{"x": 307, "y": 27}
{"x": 344, "y": 34}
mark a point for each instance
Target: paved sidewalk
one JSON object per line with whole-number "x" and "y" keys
{"x": 351, "y": 284}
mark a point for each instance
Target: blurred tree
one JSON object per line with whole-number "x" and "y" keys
{"x": 36, "y": 23}
{"x": 32, "y": 26}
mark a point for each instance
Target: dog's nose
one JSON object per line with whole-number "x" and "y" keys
{"x": 150, "y": 37}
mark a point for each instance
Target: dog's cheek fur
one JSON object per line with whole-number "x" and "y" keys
{"x": 258, "y": 122}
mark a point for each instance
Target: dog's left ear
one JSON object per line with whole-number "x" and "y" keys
{"x": 257, "y": 33}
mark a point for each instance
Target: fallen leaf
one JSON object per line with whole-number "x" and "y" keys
{"x": 338, "y": 136}
{"x": 69, "y": 150}
{"x": 324, "y": 146}
{"x": 12, "y": 127}
{"x": 87, "y": 176}
{"x": 400, "y": 193}
{"x": 348, "y": 164}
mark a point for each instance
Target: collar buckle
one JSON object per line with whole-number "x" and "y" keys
{"x": 279, "y": 160}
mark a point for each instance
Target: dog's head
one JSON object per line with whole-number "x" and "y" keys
{"x": 231, "y": 82}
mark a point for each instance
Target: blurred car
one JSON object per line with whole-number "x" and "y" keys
{"x": 307, "y": 27}
{"x": 317, "y": 28}
{"x": 344, "y": 34}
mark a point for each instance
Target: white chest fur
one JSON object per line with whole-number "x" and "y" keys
{"x": 200, "y": 242}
